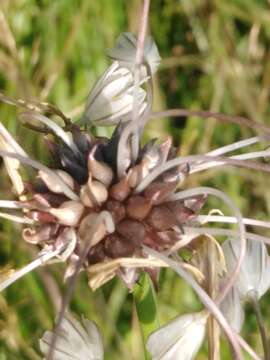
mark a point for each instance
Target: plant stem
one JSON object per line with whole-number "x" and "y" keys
{"x": 212, "y": 325}
{"x": 259, "y": 318}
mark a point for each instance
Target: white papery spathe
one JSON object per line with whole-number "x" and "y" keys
{"x": 125, "y": 52}
{"x": 179, "y": 339}
{"x": 232, "y": 309}
{"x": 111, "y": 99}
{"x": 74, "y": 342}
{"x": 255, "y": 271}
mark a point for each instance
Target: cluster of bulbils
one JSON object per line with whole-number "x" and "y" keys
{"x": 145, "y": 218}
{"x": 65, "y": 200}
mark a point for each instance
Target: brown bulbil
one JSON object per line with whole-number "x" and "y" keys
{"x": 182, "y": 213}
{"x": 116, "y": 209}
{"x": 116, "y": 246}
{"x": 138, "y": 207}
{"x": 120, "y": 190}
{"x": 159, "y": 191}
{"x": 161, "y": 218}
{"x": 132, "y": 230}
{"x": 96, "y": 254}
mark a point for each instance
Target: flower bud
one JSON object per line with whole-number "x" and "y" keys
{"x": 111, "y": 99}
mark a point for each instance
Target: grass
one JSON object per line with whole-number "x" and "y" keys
{"x": 215, "y": 57}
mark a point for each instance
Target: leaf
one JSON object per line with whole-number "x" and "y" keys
{"x": 147, "y": 309}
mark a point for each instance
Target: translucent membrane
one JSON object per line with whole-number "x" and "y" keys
{"x": 37, "y": 165}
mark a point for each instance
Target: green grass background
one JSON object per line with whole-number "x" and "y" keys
{"x": 215, "y": 57}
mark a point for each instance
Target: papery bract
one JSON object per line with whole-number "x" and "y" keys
{"x": 75, "y": 341}
{"x": 255, "y": 270}
{"x": 179, "y": 339}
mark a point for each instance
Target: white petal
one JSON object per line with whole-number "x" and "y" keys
{"x": 255, "y": 270}
{"x": 75, "y": 341}
{"x": 232, "y": 309}
{"x": 179, "y": 339}
{"x": 125, "y": 51}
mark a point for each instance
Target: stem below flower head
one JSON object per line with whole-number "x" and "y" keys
{"x": 256, "y": 307}
{"x": 105, "y": 217}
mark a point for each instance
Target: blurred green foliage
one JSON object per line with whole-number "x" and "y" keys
{"x": 215, "y": 57}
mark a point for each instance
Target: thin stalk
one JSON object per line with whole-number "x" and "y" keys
{"x": 204, "y": 297}
{"x": 231, "y": 220}
{"x": 105, "y": 217}
{"x": 237, "y": 145}
{"x": 212, "y": 285}
{"x": 257, "y": 310}
{"x": 28, "y": 268}
{"x": 37, "y": 165}
{"x": 247, "y": 156}
{"x": 239, "y": 120}
{"x": 242, "y": 232}
{"x": 194, "y": 158}
{"x": 138, "y": 62}
{"x": 192, "y": 231}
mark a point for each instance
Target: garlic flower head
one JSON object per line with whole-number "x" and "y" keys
{"x": 255, "y": 271}
{"x": 75, "y": 341}
{"x": 179, "y": 339}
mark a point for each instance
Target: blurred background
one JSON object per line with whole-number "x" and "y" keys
{"x": 215, "y": 57}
